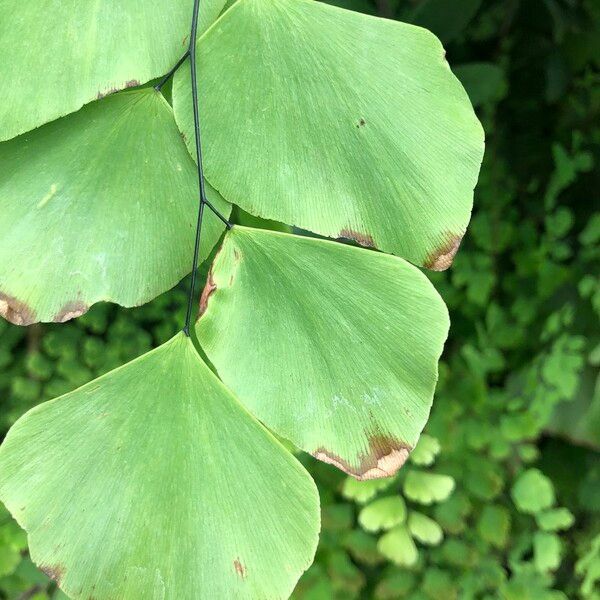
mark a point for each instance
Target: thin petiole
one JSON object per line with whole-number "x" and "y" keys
{"x": 170, "y": 74}
{"x": 216, "y": 212}
{"x": 203, "y": 200}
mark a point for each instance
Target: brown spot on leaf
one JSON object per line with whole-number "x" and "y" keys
{"x": 361, "y": 238}
{"x": 71, "y": 310}
{"x": 209, "y": 288}
{"x": 15, "y": 311}
{"x": 240, "y": 568}
{"x": 385, "y": 456}
{"x": 54, "y": 572}
{"x": 361, "y": 123}
{"x": 128, "y": 84}
{"x": 442, "y": 258}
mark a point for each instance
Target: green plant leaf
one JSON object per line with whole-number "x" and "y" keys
{"x": 424, "y": 528}
{"x": 398, "y": 546}
{"x": 383, "y": 513}
{"x": 396, "y": 584}
{"x": 440, "y": 585}
{"x": 427, "y": 488}
{"x": 362, "y": 547}
{"x": 588, "y": 567}
{"x": 10, "y": 557}
{"x": 403, "y": 143}
{"x": 344, "y": 574}
{"x": 153, "y": 482}
{"x": 99, "y": 205}
{"x": 333, "y": 347}
{"x": 425, "y": 451}
{"x": 60, "y": 56}
{"x": 546, "y": 551}
{"x": 494, "y": 525}
{"x": 337, "y": 517}
{"x": 533, "y": 492}
{"x": 363, "y": 491}
{"x": 452, "y": 514}
{"x": 555, "y": 519}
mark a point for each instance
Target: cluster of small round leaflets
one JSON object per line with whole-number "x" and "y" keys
{"x": 156, "y": 480}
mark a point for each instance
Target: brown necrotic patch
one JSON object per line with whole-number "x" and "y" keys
{"x": 240, "y": 568}
{"x": 442, "y": 258}
{"x": 128, "y": 84}
{"x": 209, "y": 288}
{"x": 383, "y": 459}
{"x": 55, "y": 572}
{"x": 71, "y": 310}
{"x": 363, "y": 239}
{"x": 15, "y": 311}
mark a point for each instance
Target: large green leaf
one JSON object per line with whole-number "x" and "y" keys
{"x": 340, "y": 123}
{"x": 98, "y": 205}
{"x": 57, "y": 55}
{"x": 333, "y": 347}
{"x": 153, "y": 482}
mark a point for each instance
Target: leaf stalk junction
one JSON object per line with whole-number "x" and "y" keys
{"x": 191, "y": 54}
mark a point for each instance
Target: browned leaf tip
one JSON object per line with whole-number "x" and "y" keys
{"x": 383, "y": 459}
{"x": 128, "y": 84}
{"x": 361, "y": 238}
{"x": 71, "y": 310}
{"x": 15, "y": 311}
{"x": 442, "y": 258}
{"x": 55, "y": 572}
{"x": 240, "y": 568}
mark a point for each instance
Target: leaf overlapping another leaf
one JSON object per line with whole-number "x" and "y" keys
{"x": 59, "y": 55}
{"x": 333, "y": 347}
{"x": 98, "y": 205}
{"x": 403, "y": 145}
{"x": 158, "y": 487}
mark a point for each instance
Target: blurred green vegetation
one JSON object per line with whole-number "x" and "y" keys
{"x": 501, "y": 499}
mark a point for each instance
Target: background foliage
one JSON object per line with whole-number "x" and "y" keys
{"x": 502, "y": 497}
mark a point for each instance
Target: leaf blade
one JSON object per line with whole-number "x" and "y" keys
{"x": 146, "y": 489}
{"x": 312, "y": 336}
{"x": 107, "y": 46}
{"x": 118, "y": 168}
{"x": 377, "y": 94}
